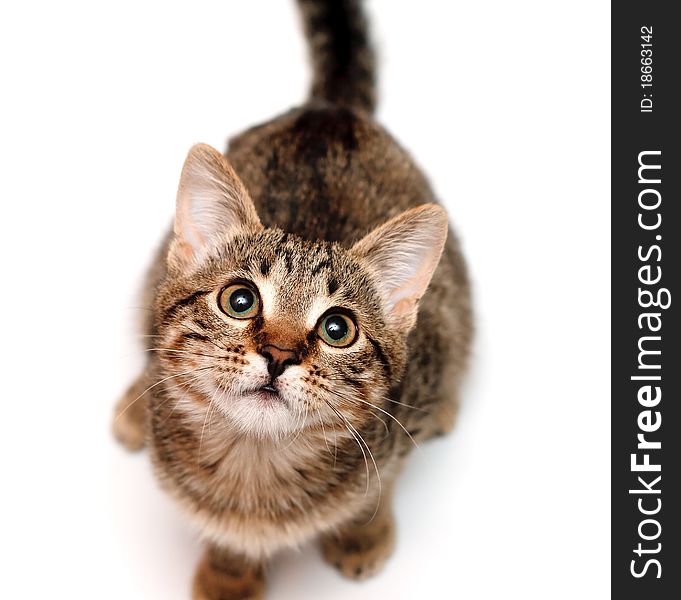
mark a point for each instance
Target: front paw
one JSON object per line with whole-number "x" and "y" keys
{"x": 224, "y": 576}
{"x": 128, "y": 432}
{"x": 129, "y": 416}
{"x": 361, "y": 552}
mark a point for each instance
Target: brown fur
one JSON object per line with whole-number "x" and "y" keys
{"x": 293, "y": 208}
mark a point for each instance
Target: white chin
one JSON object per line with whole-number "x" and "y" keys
{"x": 262, "y": 414}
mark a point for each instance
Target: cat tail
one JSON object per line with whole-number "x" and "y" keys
{"x": 343, "y": 59}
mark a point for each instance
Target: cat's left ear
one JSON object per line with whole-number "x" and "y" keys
{"x": 212, "y": 206}
{"x": 402, "y": 255}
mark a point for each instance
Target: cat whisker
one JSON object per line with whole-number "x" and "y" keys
{"x": 335, "y": 447}
{"x": 321, "y": 421}
{"x": 203, "y": 428}
{"x": 354, "y": 434}
{"x": 418, "y": 408}
{"x": 222, "y": 395}
{"x": 366, "y": 463}
{"x": 378, "y": 474}
{"x": 159, "y": 383}
{"x": 297, "y": 427}
{"x": 209, "y": 338}
{"x": 299, "y": 413}
{"x": 371, "y": 455}
{"x": 184, "y": 352}
{"x": 177, "y": 402}
{"x": 335, "y": 431}
{"x": 350, "y": 399}
{"x": 385, "y": 425}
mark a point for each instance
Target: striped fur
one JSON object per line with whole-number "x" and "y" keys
{"x": 297, "y": 209}
{"x": 342, "y": 57}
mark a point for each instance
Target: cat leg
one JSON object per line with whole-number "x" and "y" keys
{"x": 445, "y": 417}
{"x": 130, "y": 415}
{"x": 360, "y": 549}
{"x": 224, "y": 575}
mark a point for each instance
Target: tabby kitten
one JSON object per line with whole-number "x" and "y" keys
{"x": 310, "y": 323}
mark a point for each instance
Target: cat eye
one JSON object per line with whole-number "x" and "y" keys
{"x": 239, "y": 301}
{"x": 337, "y": 330}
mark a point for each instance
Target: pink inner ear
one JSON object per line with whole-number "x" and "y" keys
{"x": 403, "y": 254}
{"x": 185, "y": 251}
{"x": 409, "y": 293}
{"x": 404, "y": 307}
{"x": 185, "y": 227}
{"x": 212, "y": 203}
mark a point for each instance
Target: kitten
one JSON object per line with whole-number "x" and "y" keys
{"x": 310, "y": 323}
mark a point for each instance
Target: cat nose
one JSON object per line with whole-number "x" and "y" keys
{"x": 278, "y": 359}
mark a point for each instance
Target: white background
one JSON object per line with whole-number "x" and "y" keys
{"x": 505, "y": 104}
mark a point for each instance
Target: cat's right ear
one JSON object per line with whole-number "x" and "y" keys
{"x": 212, "y": 207}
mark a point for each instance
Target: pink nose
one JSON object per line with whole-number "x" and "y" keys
{"x": 278, "y": 359}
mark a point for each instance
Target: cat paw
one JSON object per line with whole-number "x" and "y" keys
{"x": 129, "y": 417}
{"x": 222, "y": 576}
{"x": 128, "y": 432}
{"x": 360, "y": 552}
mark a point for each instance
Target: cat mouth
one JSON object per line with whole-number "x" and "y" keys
{"x": 268, "y": 394}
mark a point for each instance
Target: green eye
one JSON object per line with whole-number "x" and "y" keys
{"x": 239, "y": 301}
{"x": 337, "y": 330}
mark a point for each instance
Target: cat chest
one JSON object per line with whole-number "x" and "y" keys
{"x": 261, "y": 507}
{"x": 247, "y": 483}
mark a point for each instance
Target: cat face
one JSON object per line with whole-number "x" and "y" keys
{"x": 275, "y": 333}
